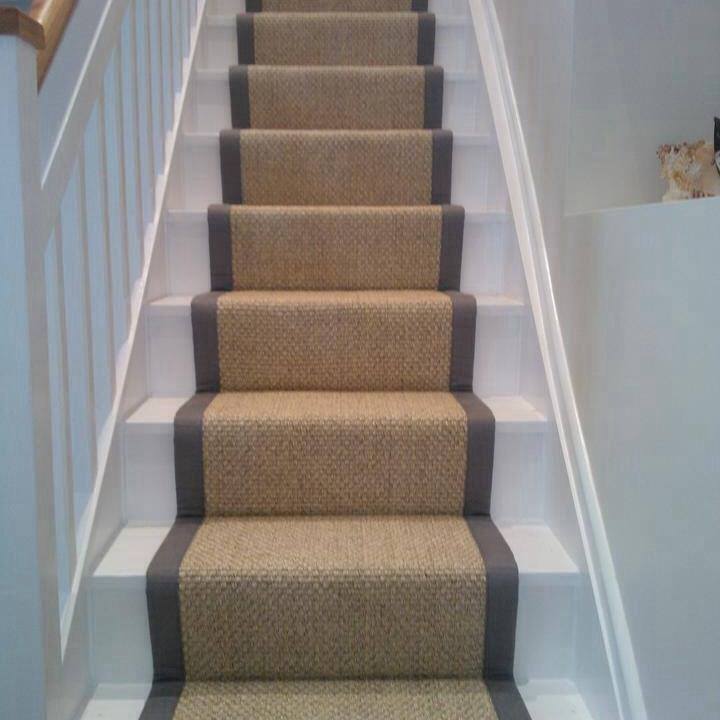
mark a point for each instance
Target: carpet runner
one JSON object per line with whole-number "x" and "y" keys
{"x": 333, "y": 554}
{"x": 332, "y": 98}
{"x": 335, "y": 248}
{"x": 336, "y": 38}
{"x": 336, "y": 167}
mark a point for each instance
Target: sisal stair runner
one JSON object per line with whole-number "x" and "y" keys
{"x": 333, "y": 453}
{"x": 333, "y": 554}
{"x": 333, "y": 340}
{"x": 336, "y": 38}
{"x": 335, "y": 248}
{"x": 336, "y": 167}
{"x": 336, "y": 98}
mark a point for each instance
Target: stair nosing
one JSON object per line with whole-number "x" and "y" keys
{"x": 561, "y": 690}
{"x": 178, "y": 216}
{"x": 452, "y": 76}
{"x": 158, "y": 413}
{"x": 178, "y": 306}
{"x": 443, "y": 20}
{"x": 541, "y": 558}
{"x": 460, "y": 139}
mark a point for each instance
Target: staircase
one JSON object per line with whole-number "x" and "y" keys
{"x": 338, "y": 369}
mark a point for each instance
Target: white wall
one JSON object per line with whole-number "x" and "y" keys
{"x": 640, "y": 329}
{"x": 539, "y": 43}
{"x": 599, "y": 84}
{"x": 645, "y": 73}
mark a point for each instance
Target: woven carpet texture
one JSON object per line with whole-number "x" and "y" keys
{"x": 336, "y": 98}
{"x": 336, "y": 5}
{"x": 336, "y": 167}
{"x": 333, "y": 554}
{"x": 332, "y": 38}
{"x": 335, "y": 248}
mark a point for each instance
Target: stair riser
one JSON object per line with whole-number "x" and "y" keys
{"x": 122, "y": 653}
{"x": 150, "y": 475}
{"x": 466, "y": 107}
{"x": 171, "y": 364}
{"x": 447, "y": 7}
{"x": 455, "y": 48}
{"x": 477, "y": 179}
{"x": 489, "y": 266}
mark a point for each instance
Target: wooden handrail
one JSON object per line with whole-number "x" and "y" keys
{"x": 15, "y": 22}
{"x": 42, "y": 26}
{"x": 54, "y": 16}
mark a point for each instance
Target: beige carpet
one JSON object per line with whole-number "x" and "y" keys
{"x": 336, "y": 98}
{"x": 333, "y": 555}
{"x": 335, "y": 248}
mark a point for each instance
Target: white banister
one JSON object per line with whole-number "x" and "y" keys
{"x": 131, "y": 144}
{"x": 77, "y": 236}
{"x": 156, "y": 77}
{"x": 115, "y": 199}
{"x": 73, "y": 251}
{"x": 166, "y": 43}
{"x": 143, "y": 112}
{"x": 99, "y": 267}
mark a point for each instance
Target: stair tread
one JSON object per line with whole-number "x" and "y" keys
{"x": 487, "y": 303}
{"x": 331, "y": 6}
{"x": 333, "y": 453}
{"x": 539, "y": 554}
{"x": 221, "y": 74}
{"x": 545, "y": 699}
{"x": 441, "y": 20}
{"x": 461, "y": 139}
{"x": 508, "y": 410}
{"x": 329, "y": 549}
{"x": 355, "y": 700}
{"x": 336, "y": 97}
{"x": 333, "y": 340}
{"x": 336, "y": 167}
{"x": 180, "y": 215}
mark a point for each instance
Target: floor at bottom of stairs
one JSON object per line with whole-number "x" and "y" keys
{"x": 545, "y": 700}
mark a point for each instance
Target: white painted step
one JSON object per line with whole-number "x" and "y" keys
{"x": 455, "y": 44}
{"x": 501, "y": 324}
{"x": 478, "y": 182}
{"x": 228, "y": 7}
{"x": 491, "y": 264}
{"x": 548, "y": 596}
{"x": 179, "y": 306}
{"x": 513, "y": 415}
{"x": 545, "y": 700}
{"x": 518, "y": 476}
{"x": 466, "y": 106}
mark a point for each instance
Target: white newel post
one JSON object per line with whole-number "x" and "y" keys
{"x": 29, "y": 637}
